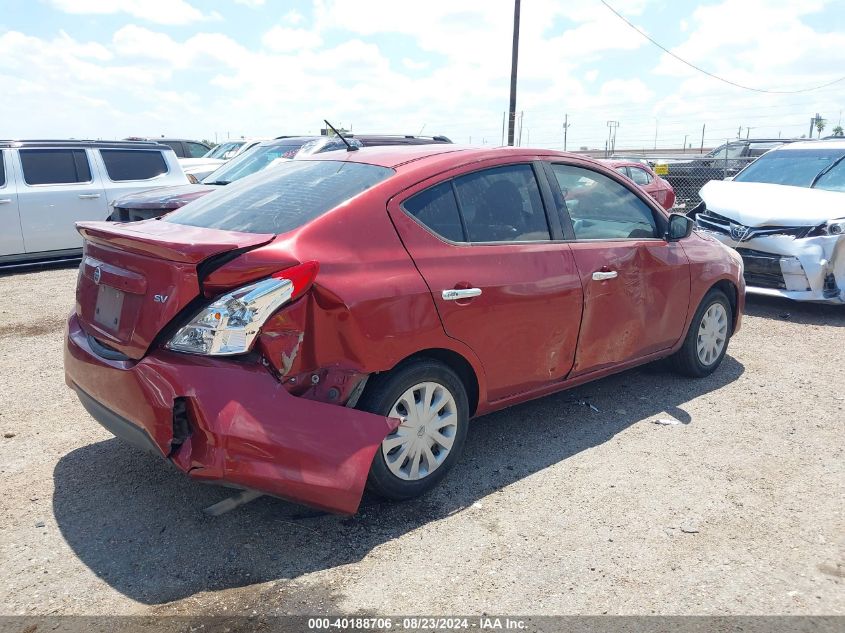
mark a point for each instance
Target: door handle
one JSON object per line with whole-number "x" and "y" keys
{"x": 456, "y": 294}
{"x": 5, "y": 200}
{"x": 604, "y": 274}
{"x": 88, "y": 196}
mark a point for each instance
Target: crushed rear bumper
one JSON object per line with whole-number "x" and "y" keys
{"x": 243, "y": 427}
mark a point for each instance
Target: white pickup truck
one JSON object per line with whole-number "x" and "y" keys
{"x": 48, "y": 186}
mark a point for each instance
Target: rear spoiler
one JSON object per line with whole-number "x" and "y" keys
{"x": 170, "y": 241}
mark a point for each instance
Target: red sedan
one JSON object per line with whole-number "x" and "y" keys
{"x": 647, "y": 180}
{"x": 336, "y": 322}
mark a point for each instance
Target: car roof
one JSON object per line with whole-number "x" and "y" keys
{"x": 76, "y": 143}
{"x": 743, "y": 141}
{"x": 394, "y": 156}
{"x": 622, "y": 162}
{"x": 808, "y": 144}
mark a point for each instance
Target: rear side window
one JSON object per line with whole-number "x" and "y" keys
{"x": 502, "y": 204}
{"x": 55, "y": 166}
{"x": 601, "y": 208}
{"x": 2, "y": 170}
{"x": 436, "y": 208}
{"x": 281, "y": 199}
{"x": 640, "y": 176}
{"x": 133, "y": 164}
{"x": 196, "y": 150}
{"x": 176, "y": 146}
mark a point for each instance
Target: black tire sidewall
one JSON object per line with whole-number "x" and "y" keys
{"x": 380, "y": 397}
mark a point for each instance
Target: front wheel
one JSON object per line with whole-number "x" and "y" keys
{"x": 431, "y": 402}
{"x": 707, "y": 338}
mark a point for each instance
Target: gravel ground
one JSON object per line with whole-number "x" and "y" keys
{"x": 555, "y": 508}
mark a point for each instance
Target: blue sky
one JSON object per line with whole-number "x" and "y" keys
{"x": 200, "y": 69}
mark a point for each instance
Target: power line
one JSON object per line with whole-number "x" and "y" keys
{"x": 709, "y": 74}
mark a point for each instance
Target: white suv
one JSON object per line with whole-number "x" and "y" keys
{"x": 48, "y": 186}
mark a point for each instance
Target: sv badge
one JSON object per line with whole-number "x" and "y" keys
{"x": 160, "y": 298}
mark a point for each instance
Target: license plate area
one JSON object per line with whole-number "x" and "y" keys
{"x": 108, "y": 308}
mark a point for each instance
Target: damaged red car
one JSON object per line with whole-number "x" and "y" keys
{"x": 334, "y": 323}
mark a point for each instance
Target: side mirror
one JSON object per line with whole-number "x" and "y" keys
{"x": 680, "y": 226}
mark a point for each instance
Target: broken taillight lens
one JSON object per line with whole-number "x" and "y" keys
{"x": 230, "y": 324}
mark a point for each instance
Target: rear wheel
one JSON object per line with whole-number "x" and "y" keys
{"x": 707, "y": 338}
{"x": 431, "y": 402}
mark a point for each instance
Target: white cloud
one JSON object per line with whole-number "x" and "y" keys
{"x": 293, "y": 17}
{"x": 158, "y": 11}
{"x": 251, "y": 3}
{"x": 411, "y": 64}
{"x": 282, "y": 40}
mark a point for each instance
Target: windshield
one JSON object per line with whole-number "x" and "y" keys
{"x": 798, "y": 168}
{"x": 251, "y": 161}
{"x": 281, "y": 199}
{"x": 224, "y": 148}
{"x": 734, "y": 151}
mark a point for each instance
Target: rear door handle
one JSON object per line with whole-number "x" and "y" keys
{"x": 88, "y": 196}
{"x": 5, "y": 200}
{"x": 456, "y": 294}
{"x": 604, "y": 274}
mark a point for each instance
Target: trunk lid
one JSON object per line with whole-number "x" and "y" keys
{"x": 134, "y": 279}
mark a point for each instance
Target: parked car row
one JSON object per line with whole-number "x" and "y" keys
{"x": 48, "y": 185}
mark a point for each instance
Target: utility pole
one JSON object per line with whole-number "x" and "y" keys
{"x": 514, "y": 58}
{"x": 504, "y": 114}
{"x": 655, "y": 133}
{"x": 701, "y": 150}
{"x": 685, "y": 143}
{"x": 519, "y": 138}
{"x": 611, "y": 135}
{"x": 565, "y": 129}
{"x": 813, "y": 124}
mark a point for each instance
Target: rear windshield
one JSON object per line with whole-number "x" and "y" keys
{"x": 796, "y": 167}
{"x": 280, "y": 199}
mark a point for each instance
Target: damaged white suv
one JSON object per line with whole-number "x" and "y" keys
{"x": 785, "y": 214}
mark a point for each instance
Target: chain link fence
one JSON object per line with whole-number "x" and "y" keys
{"x": 688, "y": 173}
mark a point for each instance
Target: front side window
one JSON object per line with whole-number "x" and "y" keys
{"x": 601, "y": 208}
{"x": 196, "y": 150}
{"x": 281, "y": 199}
{"x": 437, "y": 209}
{"x": 623, "y": 170}
{"x": 55, "y": 166}
{"x": 502, "y": 204}
{"x": 133, "y": 164}
{"x": 732, "y": 150}
{"x": 640, "y": 176}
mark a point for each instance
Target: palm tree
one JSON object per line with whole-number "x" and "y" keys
{"x": 837, "y": 131}
{"x": 820, "y": 125}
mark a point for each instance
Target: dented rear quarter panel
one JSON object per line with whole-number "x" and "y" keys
{"x": 368, "y": 310}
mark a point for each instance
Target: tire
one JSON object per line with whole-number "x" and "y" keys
{"x": 390, "y": 395}
{"x": 716, "y": 313}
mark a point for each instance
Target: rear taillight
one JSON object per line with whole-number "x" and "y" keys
{"x": 230, "y": 324}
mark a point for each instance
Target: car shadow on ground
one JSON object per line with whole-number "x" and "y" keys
{"x": 137, "y": 523}
{"x": 796, "y": 311}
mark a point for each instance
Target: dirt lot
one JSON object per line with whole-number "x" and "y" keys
{"x": 555, "y": 508}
